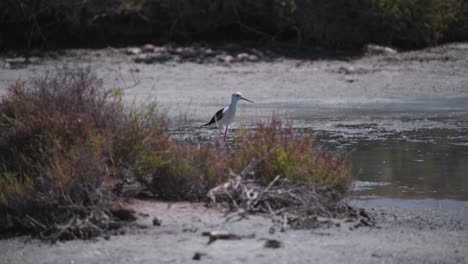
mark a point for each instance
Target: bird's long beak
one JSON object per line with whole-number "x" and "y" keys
{"x": 243, "y": 98}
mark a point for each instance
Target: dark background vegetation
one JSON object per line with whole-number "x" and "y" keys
{"x": 28, "y": 24}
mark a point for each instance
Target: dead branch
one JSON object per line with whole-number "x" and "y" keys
{"x": 299, "y": 205}
{"x": 226, "y": 235}
{"x": 35, "y": 222}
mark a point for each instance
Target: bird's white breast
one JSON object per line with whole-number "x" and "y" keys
{"x": 228, "y": 116}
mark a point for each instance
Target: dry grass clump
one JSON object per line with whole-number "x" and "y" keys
{"x": 285, "y": 152}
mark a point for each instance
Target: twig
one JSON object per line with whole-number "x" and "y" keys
{"x": 285, "y": 222}
{"x": 94, "y": 226}
{"x": 37, "y": 223}
{"x": 63, "y": 229}
{"x": 266, "y": 190}
{"x": 272, "y": 183}
{"x": 267, "y": 204}
{"x": 215, "y": 235}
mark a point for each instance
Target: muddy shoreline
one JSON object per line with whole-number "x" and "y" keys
{"x": 317, "y": 93}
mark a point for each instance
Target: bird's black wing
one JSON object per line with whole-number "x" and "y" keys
{"x": 215, "y": 118}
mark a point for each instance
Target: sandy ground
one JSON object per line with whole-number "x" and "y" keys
{"x": 318, "y": 88}
{"x": 415, "y": 231}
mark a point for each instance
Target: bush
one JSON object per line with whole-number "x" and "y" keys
{"x": 286, "y": 153}
{"x": 62, "y": 146}
{"x": 52, "y": 133}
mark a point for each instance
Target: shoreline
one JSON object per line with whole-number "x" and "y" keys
{"x": 413, "y": 233}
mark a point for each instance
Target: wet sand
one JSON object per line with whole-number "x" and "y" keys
{"x": 316, "y": 93}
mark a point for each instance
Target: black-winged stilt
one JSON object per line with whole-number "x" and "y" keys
{"x": 225, "y": 116}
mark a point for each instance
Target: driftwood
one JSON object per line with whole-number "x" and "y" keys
{"x": 226, "y": 235}
{"x": 87, "y": 225}
{"x": 290, "y": 204}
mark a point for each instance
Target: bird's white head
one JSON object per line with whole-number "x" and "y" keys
{"x": 238, "y": 96}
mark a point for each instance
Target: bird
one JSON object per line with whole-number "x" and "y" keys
{"x": 225, "y": 116}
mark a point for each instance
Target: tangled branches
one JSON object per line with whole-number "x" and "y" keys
{"x": 65, "y": 220}
{"x": 297, "y": 205}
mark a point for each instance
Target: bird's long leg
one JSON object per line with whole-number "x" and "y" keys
{"x": 225, "y": 133}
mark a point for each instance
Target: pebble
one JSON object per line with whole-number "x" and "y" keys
{"x": 228, "y": 59}
{"x": 148, "y": 48}
{"x": 346, "y": 69}
{"x": 242, "y": 56}
{"x": 272, "y": 243}
{"x": 198, "y": 255}
{"x": 253, "y": 58}
{"x": 133, "y": 51}
{"x": 157, "y": 221}
{"x": 372, "y": 49}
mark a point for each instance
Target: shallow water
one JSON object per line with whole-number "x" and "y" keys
{"x": 412, "y": 148}
{"x": 409, "y": 148}
{"x": 425, "y": 163}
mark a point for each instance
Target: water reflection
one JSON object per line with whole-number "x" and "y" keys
{"x": 426, "y": 163}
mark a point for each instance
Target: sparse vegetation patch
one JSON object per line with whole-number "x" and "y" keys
{"x": 68, "y": 145}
